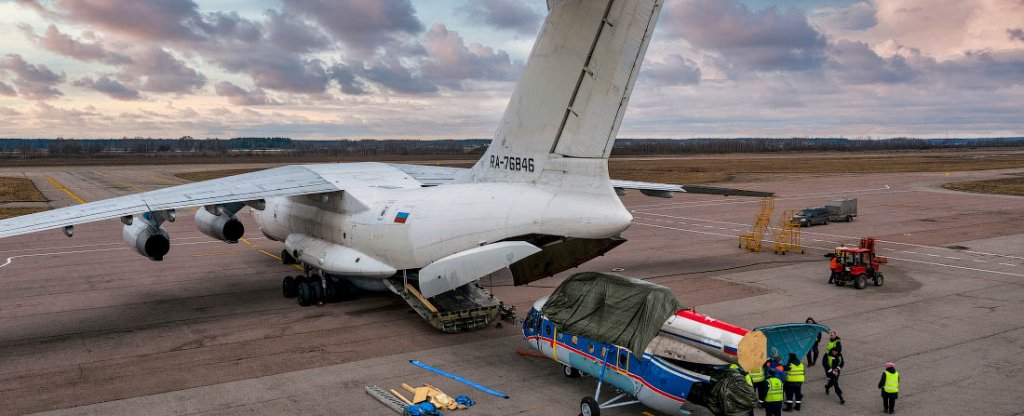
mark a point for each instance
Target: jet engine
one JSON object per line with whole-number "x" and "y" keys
{"x": 147, "y": 240}
{"x": 224, "y": 227}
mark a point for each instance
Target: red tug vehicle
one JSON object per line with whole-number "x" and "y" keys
{"x": 858, "y": 264}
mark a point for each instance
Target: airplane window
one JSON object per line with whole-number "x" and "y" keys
{"x": 575, "y": 340}
{"x": 590, "y": 348}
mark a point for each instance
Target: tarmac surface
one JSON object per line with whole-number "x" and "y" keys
{"x": 89, "y": 327}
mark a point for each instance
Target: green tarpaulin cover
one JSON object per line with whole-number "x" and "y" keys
{"x": 610, "y": 308}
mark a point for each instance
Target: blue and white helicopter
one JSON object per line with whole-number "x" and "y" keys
{"x": 687, "y": 359}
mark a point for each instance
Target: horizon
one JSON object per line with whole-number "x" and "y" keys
{"x": 412, "y": 69}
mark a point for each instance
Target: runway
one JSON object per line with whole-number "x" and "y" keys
{"x": 89, "y": 327}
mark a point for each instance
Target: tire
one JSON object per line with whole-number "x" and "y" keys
{"x": 570, "y": 372}
{"x": 305, "y": 294}
{"x": 825, "y": 222}
{"x": 849, "y": 218}
{"x": 860, "y": 282}
{"x": 286, "y": 258}
{"x": 879, "y": 279}
{"x": 318, "y": 291}
{"x": 289, "y": 287}
{"x": 589, "y": 407}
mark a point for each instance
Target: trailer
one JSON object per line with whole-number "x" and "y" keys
{"x": 836, "y": 210}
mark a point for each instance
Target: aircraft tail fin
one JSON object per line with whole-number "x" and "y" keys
{"x": 574, "y": 90}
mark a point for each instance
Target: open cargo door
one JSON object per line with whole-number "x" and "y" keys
{"x": 786, "y": 338}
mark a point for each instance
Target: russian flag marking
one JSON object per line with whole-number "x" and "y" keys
{"x": 402, "y": 217}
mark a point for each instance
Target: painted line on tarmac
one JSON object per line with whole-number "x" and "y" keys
{"x": 1008, "y": 264}
{"x": 66, "y": 190}
{"x": 829, "y": 249}
{"x": 802, "y": 230}
{"x": 246, "y": 241}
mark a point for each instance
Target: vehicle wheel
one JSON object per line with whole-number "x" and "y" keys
{"x": 849, "y": 218}
{"x": 589, "y": 407}
{"x": 288, "y": 287}
{"x": 860, "y": 282}
{"x": 879, "y": 280}
{"x": 305, "y": 294}
{"x": 826, "y": 222}
{"x": 570, "y": 372}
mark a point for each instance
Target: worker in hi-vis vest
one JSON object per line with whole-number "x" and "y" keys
{"x": 760, "y": 383}
{"x": 793, "y": 385}
{"x": 890, "y": 386}
{"x": 773, "y": 399}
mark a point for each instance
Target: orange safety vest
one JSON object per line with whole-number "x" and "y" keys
{"x": 836, "y": 267}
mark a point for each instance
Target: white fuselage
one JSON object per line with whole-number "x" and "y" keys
{"x": 441, "y": 220}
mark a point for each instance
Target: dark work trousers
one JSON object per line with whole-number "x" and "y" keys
{"x": 833, "y": 382}
{"x": 773, "y": 408}
{"x": 762, "y": 389}
{"x": 889, "y": 401}
{"x": 794, "y": 394}
{"x": 812, "y": 356}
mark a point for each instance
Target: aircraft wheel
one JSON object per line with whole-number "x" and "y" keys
{"x": 879, "y": 280}
{"x": 305, "y": 294}
{"x": 589, "y": 407}
{"x": 286, "y": 257}
{"x": 860, "y": 282}
{"x": 570, "y": 372}
{"x": 288, "y": 287}
{"x": 318, "y": 291}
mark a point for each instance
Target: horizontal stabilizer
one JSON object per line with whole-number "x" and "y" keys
{"x": 467, "y": 266}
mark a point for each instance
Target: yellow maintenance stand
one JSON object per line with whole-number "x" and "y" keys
{"x": 787, "y": 234}
{"x": 752, "y": 240}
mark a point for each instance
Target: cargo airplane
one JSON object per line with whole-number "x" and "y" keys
{"x": 539, "y": 201}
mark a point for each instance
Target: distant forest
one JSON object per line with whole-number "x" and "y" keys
{"x": 280, "y": 146}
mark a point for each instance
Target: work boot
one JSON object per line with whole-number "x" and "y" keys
{"x": 797, "y": 408}
{"x": 826, "y": 389}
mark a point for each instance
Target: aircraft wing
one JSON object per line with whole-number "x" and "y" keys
{"x": 282, "y": 181}
{"x": 439, "y": 175}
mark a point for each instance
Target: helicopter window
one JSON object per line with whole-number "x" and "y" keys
{"x": 575, "y": 341}
{"x": 590, "y": 348}
{"x": 623, "y": 358}
{"x": 547, "y": 330}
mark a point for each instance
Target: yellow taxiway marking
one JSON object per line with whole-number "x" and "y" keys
{"x": 223, "y": 253}
{"x": 266, "y": 252}
{"x": 66, "y": 190}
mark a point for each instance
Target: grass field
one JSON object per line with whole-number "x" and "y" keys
{"x": 19, "y": 190}
{"x": 1005, "y": 186}
{"x": 721, "y": 168}
{"x": 14, "y": 212}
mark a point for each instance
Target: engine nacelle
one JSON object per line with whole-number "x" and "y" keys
{"x": 149, "y": 241}
{"x": 224, "y": 227}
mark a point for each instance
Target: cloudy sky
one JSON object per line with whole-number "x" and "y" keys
{"x": 445, "y": 68}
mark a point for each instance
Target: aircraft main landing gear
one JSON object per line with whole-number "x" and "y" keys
{"x": 317, "y": 289}
{"x": 589, "y": 405}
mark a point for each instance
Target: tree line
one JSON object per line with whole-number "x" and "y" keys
{"x": 268, "y": 146}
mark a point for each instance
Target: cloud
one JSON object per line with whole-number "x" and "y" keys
{"x": 857, "y": 16}
{"x": 34, "y": 82}
{"x": 169, "y": 20}
{"x": 157, "y": 70}
{"x": 391, "y": 74}
{"x": 292, "y": 33}
{"x": 55, "y": 41}
{"x": 112, "y": 88}
{"x": 857, "y": 63}
{"x": 364, "y": 26}
{"x": 451, "y": 61}
{"x": 947, "y": 28}
{"x": 346, "y": 79}
{"x": 1016, "y": 34}
{"x": 240, "y": 96}
{"x": 673, "y": 70}
{"x": 7, "y": 90}
{"x": 47, "y": 112}
{"x": 513, "y": 15}
{"x": 9, "y": 112}
{"x": 766, "y": 40}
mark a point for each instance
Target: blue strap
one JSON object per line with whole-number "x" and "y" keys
{"x": 460, "y": 379}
